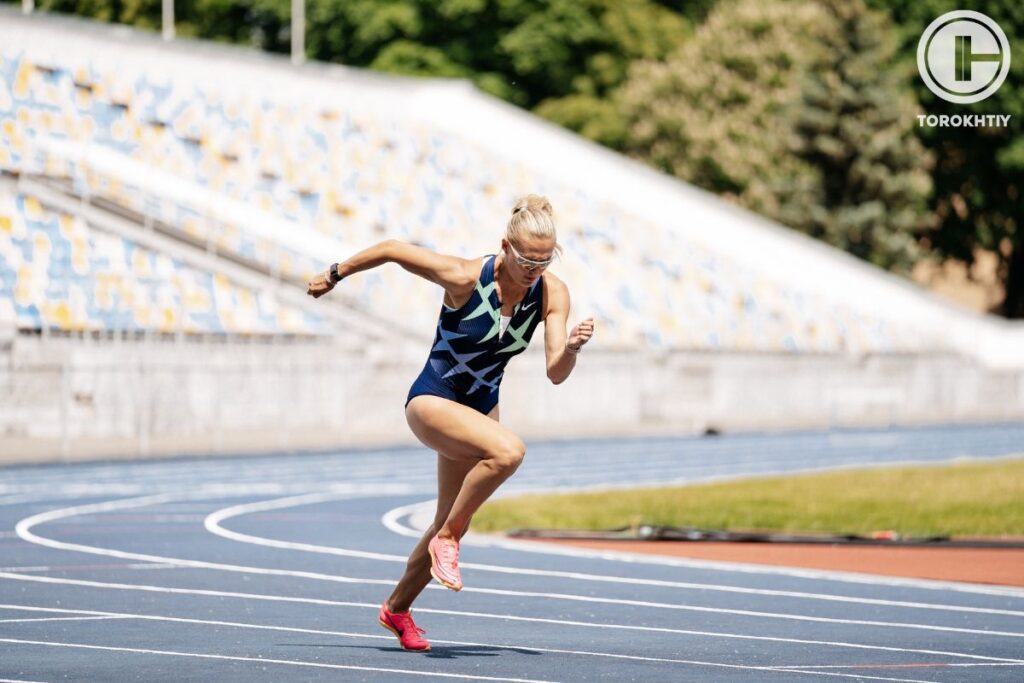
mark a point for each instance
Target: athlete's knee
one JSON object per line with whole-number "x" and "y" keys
{"x": 506, "y": 454}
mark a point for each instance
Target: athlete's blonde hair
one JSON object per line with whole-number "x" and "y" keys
{"x": 532, "y": 216}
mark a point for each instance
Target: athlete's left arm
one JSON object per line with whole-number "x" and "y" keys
{"x": 559, "y": 349}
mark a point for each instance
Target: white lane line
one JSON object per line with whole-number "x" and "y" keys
{"x": 93, "y": 567}
{"x": 149, "y": 500}
{"x": 859, "y": 677}
{"x": 223, "y": 489}
{"x": 942, "y": 665}
{"x": 24, "y": 531}
{"x": 24, "y": 621}
{"x": 214, "y": 526}
{"x": 163, "y": 498}
{"x": 820, "y": 575}
{"x": 545, "y": 464}
{"x": 16, "y": 680}
{"x": 564, "y": 456}
{"x": 263, "y": 660}
{"x": 24, "y": 527}
{"x": 817, "y": 670}
{"x": 508, "y": 646}
{"x": 392, "y": 521}
{"x": 737, "y": 464}
{"x": 52, "y": 494}
{"x": 491, "y": 615}
{"x": 213, "y": 520}
{"x": 14, "y": 500}
{"x": 747, "y": 613}
{"x": 61, "y": 490}
{"x": 188, "y": 475}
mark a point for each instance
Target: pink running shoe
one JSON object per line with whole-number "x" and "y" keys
{"x": 401, "y": 624}
{"x": 444, "y": 562}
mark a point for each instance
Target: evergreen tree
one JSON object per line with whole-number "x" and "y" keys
{"x": 855, "y": 127}
{"x": 716, "y": 113}
{"x": 792, "y": 110}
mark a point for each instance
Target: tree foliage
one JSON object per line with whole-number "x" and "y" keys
{"x": 792, "y": 110}
{"x": 854, "y": 125}
{"x": 714, "y": 114}
{"x": 525, "y": 51}
{"x": 979, "y": 172}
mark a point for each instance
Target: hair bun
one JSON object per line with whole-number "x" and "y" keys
{"x": 533, "y": 202}
{"x": 532, "y": 216}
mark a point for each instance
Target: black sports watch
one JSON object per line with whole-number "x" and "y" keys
{"x": 334, "y": 276}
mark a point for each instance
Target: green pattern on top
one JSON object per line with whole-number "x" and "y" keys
{"x": 517, "y": 334}
{"x": 485, "y": 302}
{"x": 487, "y": 307}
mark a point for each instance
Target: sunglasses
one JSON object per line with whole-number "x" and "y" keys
{"x": 530, "y": 264}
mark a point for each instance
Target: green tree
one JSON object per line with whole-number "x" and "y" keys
{"x": 855, "y": 127}
{"x": 791, "y": 110}
{"x": 618, "y": 33}
{"x": 559, "y": 57}
{"x": 525, "y": 51}
{"x": 263, "y": 24}
{"x": 979, "y": 172}
{"x": 716, "y": 112}
{"x": 143, "y": 13}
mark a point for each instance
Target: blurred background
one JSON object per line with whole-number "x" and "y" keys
{"x": 749, "y": 208}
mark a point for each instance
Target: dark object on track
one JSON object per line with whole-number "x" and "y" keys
{"x": 646, "y": 532}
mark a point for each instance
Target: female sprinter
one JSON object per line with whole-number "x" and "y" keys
{"x": 492, "y": 306}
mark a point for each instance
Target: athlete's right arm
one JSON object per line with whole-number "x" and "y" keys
{"x": 454, "y": 274}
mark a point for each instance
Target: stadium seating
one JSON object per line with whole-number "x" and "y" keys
{"x": 61, "y": 275}
{"x": 354, "y": 176}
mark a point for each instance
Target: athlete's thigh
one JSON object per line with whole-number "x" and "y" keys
{"x": 451, "y": 472}
{"x": 457, "y": 431}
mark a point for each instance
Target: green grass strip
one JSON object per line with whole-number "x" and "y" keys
{"x": 962, "y": 499}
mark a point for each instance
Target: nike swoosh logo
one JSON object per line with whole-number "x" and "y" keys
{"x": 528, "y": 305}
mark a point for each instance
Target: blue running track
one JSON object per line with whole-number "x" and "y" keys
{"x": 272, "y": 568}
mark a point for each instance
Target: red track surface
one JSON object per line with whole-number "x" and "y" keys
{"x": 976, "y": 565}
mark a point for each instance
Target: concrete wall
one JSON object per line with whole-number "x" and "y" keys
{"x": 73, "y": 398}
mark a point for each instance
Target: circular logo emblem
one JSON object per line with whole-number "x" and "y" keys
{"x": 963, "y": 56}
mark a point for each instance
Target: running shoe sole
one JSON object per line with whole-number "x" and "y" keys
{"x": 433, "y": 561}
{"x": 399, "y": 636}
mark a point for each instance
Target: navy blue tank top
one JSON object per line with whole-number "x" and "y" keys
{"x": 470, "y": 352}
